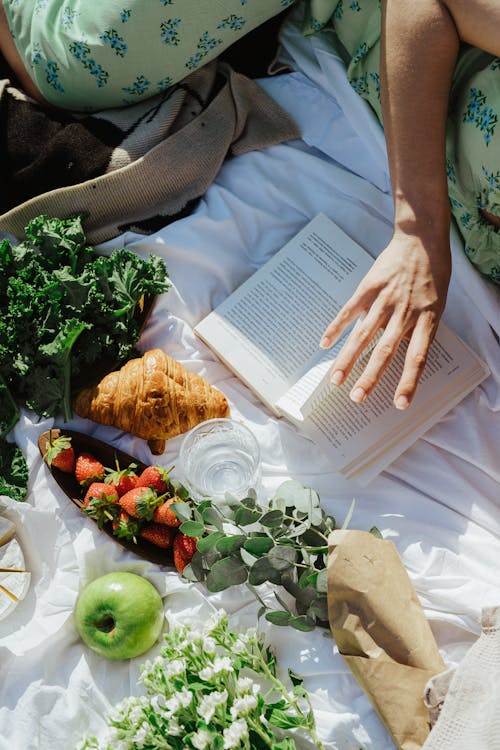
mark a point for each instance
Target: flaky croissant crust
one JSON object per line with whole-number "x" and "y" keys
{"x": 153, "y": 397}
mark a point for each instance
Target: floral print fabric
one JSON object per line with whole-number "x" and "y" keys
{"x": 473, "y": 132}
{"x": 88, "y": 55}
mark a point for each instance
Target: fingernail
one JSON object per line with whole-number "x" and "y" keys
{"x": 402, "y": 402}
{"x": 337, "y": 377}
{"x": 358, "y": 395}
{"x": 325, "y": 342}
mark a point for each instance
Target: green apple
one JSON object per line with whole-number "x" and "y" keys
{"x": 119, "y": 615}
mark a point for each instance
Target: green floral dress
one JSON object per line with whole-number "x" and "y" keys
{"x": 473, "y": 132}
{"x": 96, "y": 54}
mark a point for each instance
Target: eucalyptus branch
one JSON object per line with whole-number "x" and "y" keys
{"x": 245, "y": 542}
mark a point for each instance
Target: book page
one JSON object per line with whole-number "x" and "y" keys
{"x": 355, "y": 434}
{"x": 268, "y": 330}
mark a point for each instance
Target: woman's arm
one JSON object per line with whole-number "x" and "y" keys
{"x": 405, "y": 291}
{"x": 9, "y": 51}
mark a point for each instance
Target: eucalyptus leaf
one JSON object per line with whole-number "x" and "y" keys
{"x": 189, "y": 573}
{"x": 225, "y": 573}
{"x": 319, "y": 608}
{"x": 272, "y": 518}
{"x": 322, "y": 581}
{"x": 263, "y": 571}
{"x": 212, "y": 517}
{"x": 196, "y": 567}
{"x": 211, "y": 557}
{"x": 282, "y": 602}
{"x": 298, "y": 530}
{"x": 278, "y": 503}
{"x": 181, "y": 510}
{"x": 247, "y": 558}
{"x": 297, "y": 496}
{"x": 258, "y": 545}
{"x": 248, "y": 502}
{"x": 192, "y": 528}
{"x": 281, "y": 557}
{"x": 278, "y": 617}
{"x": 246, "y": 516}
{"x": 307, "y": 578}
{"x": 305, "y": 598}
{"x": 180, "y": 490}
{"x": 303, "y": 623}
{"x": 208, "y": 542}
{"x": 228, "y": 544}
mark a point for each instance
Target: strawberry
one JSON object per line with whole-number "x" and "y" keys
{"x": 88, "y": 469}
{"x": 60, "y": 453}
{"x": 184, "y": 549}
{"x": 123, "y": 479}
{"x": 158, "y": 534}
{"x": 125, "y": 527}
{"x": 141, "y": 502}
{"x": 165, "y": 515}
{"x": 100, "y": 503}
{"x": 155, "y": 477}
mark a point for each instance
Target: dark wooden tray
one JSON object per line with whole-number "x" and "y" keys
{"x": 107, "y": 455}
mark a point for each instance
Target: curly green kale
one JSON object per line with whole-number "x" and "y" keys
{"x": 66, "y": 312}
{"x": 13, "y": 471}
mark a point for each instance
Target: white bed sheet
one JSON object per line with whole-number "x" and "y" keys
{"x": 439, "y": 502}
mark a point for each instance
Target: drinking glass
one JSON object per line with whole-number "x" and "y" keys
{"x": 219, "y": 456}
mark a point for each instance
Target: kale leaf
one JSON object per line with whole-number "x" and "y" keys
{"x": 13, "y": 471}
{"x": 66, "y": 313}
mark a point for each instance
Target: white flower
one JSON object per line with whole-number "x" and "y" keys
{"x": 158, "y": 702}
{"x": 209, "y": 645}
{"x": 222, "y": 664}
{"x": 239, "y": 647}
{"x": 233, "y": 735}
{"x": 243, "y": 705}
{"x": 201, "y": 740}
{"x": 209, "y": 703}
{"x": 136, "y": 715}
{"x": 173, "y": 668}
{"x": 214, "y": 620}
{"x": 172, "y": 704}
{"x": 141, "y": 734}
{"x": 245, "y": 684}
{"x": 185, "y": 697}
{"x": 174, "y": 728}
{"x": 206, "y": 673}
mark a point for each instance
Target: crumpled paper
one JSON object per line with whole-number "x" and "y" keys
{"x": 380, "y": 629}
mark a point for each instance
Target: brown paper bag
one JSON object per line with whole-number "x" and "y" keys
{"x": 380, "y": 628}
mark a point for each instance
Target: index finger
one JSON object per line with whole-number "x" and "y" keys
{"x": 346, "y": 315}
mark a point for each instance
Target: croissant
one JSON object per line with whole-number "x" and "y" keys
{"x": 153, "y": 397}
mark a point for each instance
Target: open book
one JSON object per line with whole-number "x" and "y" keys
{"x": 268, "y": 332}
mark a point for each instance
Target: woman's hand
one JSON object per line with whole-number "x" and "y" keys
{"x": 404, "y": 293}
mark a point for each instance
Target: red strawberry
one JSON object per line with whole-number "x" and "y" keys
{"x": 60, "y": 453}
{"x": 165, "y": 515}
{"x": 155, "y": 477}
{"x": 88, "y": 469}
{"x": 141, "y": 502}
{"x": 123, "y": 479}
{"x": 158, "y": 534}
{"x": 125, "y": 527}
{"x": 184, "y": 549}
{"x": 100, "y": 503}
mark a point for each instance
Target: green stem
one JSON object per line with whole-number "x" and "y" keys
{"x": 292, "y": 701}
{"x": 263, "y": 735}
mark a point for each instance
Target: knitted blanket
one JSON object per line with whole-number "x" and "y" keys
{"x": 134, "y": 168}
